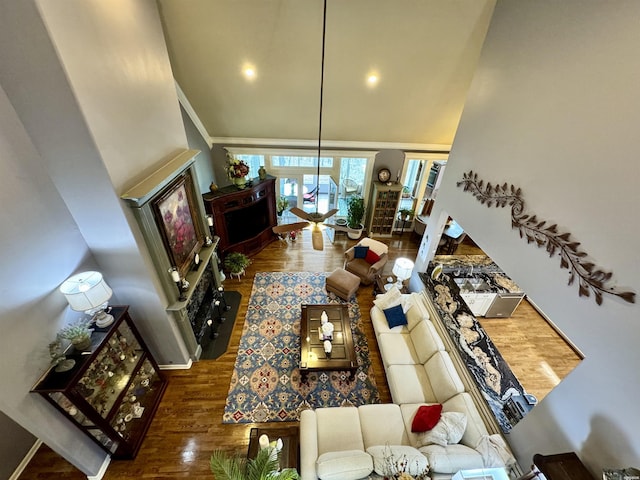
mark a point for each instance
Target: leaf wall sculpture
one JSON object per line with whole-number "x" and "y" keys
{"x": 590, "y": 278}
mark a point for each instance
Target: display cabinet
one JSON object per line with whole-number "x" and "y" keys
{"x": 113, "y": 391}
{"x": 382, "y": 208}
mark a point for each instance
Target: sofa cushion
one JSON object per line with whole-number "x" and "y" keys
{"x": 344, "y": 465}
{"x": 452, "y": 458}
{"x": 380, "y": 324}
{"x": 418, "y": 312}
{"x": 426, "y": 340}
{"x": 395, "y": 316}
{"x": 409, "y": 384}
{"x": 444, "y": 378}
{"x": 397, "y": 349}
{"x": 448, "y": 431}
{"x": 382, "y": 455}
{"x": 338, "y": 429}
{"x": 426, "y": 417}
{"x": 374, "y": 433}
{"x": 360, "y": 251}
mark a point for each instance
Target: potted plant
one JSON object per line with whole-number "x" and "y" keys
{"x": 281, "y": 205}
{"x": 236, "y": 262}
{"x": 406, "y": 214}
{"x": 265, "y": 465}
{"x": 78, "y": 333}
{"x": 355, "y": 214}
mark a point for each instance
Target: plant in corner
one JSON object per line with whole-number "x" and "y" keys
{"x": 265, "y": 465}
{"x": 236, "y": 262}
{"x": 355, "y": 214}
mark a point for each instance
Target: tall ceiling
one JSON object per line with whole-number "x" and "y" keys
{"x": 424, "y": 52}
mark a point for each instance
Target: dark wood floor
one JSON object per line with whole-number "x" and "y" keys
{"x": 187, "y": 426}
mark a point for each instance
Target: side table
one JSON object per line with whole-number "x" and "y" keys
{"x": 290, "y": 453}
{"x": 382, "y": 280}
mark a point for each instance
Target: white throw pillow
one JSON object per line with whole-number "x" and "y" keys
{"x": 448, "y": 431}
{"x": 388, "y": 299}
{"x": 377, "y": 247}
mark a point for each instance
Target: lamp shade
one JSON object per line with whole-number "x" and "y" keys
{"x": 402, "y": 268}
{"x": 86, "y": 291}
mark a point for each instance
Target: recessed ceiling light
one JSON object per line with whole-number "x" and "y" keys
{"x": 249, "y": 72}
{"x": 373, "y": 79}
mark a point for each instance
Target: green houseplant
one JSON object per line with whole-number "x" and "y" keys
{"x": 281, "y": 205}
{"x": 78, "y": 333}
{"x": 407, "y": 213}
{"x": 355, "y": 214}
{"x": 236, "y": 262}
{"x": 264, "y": 466}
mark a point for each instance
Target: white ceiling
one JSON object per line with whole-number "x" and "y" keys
{"x": 425, "y": 52}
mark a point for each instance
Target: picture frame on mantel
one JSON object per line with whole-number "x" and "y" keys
{"x": 173, "y": 210}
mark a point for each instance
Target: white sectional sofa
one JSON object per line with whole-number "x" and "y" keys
{"x": 349, "y": 443}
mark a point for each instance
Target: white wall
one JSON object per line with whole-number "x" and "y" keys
{"x": 88, "y": 107}
{"x": 41, "y": 244}
{"x": 553, "y": 109}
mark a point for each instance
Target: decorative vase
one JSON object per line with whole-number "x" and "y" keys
{"x": 262, "y": 173}
{"x": 240, "y": 182}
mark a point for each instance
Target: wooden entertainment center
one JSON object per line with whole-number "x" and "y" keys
{"x": 243, "y": 219}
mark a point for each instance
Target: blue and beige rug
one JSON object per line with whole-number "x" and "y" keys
{"x": 265, "y": 384}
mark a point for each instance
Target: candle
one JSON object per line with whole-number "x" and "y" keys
{"x": 175, "y": 275}
{"x": 210, "y": 220}
{"x": 263, "y": 441}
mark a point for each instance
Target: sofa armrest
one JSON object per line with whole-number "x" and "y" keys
{"x": 349, "y": 254}
{"x": 308, "y": 445}
{"x": 376, "y": 267}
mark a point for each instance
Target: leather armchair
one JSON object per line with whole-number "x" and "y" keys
{"x": 360, "y": 267}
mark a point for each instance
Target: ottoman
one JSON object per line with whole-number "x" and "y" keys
{"x": 344, "y": 284}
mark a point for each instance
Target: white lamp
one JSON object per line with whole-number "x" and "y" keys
{"x": 402, "y": 269}
{"x": 88, "y": 292}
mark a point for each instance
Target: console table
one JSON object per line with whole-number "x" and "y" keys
{"x": 243, "y": 219}
{"x": 562, "y": 466}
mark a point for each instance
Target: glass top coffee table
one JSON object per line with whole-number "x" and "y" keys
{"x": 312, "y": 355}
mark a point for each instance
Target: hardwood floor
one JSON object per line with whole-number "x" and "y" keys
{"x": 187, "y": 426}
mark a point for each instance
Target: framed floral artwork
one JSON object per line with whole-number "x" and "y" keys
{"x": 173, "y": 209}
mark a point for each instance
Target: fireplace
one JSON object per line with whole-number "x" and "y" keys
{"x": 154, "y": 201}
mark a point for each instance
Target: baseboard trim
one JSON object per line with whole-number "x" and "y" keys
{"x": 25, "y": 461}
{"x": 177, "y": 366}
{"x": 557, "y": 330}
{"x": 102, "y": 471}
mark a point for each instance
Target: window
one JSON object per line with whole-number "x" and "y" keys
{"x": 298, "y": 161}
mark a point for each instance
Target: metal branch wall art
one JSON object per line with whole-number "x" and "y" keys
{"x": 591, "y": 279}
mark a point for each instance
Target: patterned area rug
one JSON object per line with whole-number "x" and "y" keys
{"x": 265, "y": 385}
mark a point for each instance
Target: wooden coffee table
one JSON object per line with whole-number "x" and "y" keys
{"x": 312, "y": 355}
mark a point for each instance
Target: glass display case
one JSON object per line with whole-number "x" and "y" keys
{"x": 382, "y": 208}
{"x": 113, "y": 391}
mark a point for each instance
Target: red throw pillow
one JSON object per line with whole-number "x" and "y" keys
{"x": 426, "y": 418}
{"x": 371, "y": 257}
